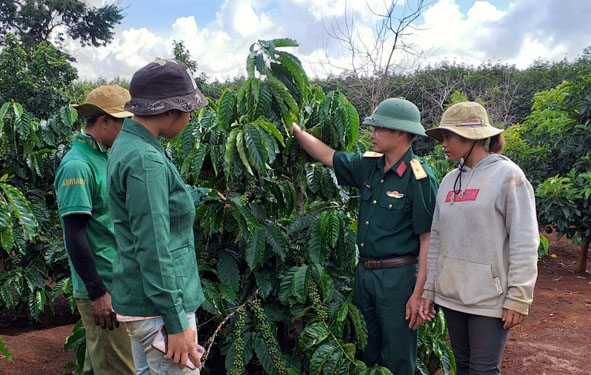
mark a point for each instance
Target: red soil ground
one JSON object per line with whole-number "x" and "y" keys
{"x": 555, "y": 339}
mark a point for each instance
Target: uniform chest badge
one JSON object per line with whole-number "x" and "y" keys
{"x": 394, "y": 194}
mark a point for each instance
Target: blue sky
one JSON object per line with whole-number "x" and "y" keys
{"x": 218, "y": 33}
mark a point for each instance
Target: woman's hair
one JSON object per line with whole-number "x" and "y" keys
{"x": 497, "y": 144}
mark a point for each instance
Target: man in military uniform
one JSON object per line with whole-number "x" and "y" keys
{"x": 81, "y": 191}
{"x": 397, "y": 201}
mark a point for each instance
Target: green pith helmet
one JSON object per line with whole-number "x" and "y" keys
{"x": 397, "y": 114}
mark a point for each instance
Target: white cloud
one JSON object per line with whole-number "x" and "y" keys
{"x": 527, "y": 30}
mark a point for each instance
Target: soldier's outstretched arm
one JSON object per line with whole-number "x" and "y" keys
{"x": 313, "y": 146}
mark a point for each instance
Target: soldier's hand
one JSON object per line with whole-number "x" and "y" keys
{"x": 295, "y": 128}
{"x": 412, "y": 312}
{"x": 104, "y": 315}
{"x": 427, "y": 309}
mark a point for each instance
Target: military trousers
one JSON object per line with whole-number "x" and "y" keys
{"x": 107, "y": 352}
{"x": 381, "y": 295}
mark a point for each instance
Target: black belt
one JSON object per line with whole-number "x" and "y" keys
{"x": 374, "y": 264}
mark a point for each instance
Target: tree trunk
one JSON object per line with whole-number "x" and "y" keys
{"x": 582, "y": 262}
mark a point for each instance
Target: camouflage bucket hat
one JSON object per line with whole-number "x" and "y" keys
{"x": 397, "y": 114}
{"x": 105, "y": 100}
{"x": 466, "y": 119}
{"x": 161, "y": 86}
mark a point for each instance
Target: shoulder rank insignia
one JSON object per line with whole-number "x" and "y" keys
{"x": 417, "y": 169}
{"x": 371, "y": 154}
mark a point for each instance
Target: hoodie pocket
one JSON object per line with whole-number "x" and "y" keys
{"x": 469, "y": 283}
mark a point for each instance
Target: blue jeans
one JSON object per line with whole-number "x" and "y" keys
{"x": 149, "y": 361}
{"x": 478, "y": 342}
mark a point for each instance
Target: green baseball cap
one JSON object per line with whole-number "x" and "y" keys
{"x": 397, "y": 114}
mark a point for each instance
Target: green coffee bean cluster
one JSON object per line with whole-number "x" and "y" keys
{"x": 249, "y": 192}
{"x": 238, "y": 366}
{"x": 316, "y": 301}
{"x": 265, "y": 331}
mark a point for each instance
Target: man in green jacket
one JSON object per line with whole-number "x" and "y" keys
{"x": 81, "y": 190}
{"x": 397, "y": 201}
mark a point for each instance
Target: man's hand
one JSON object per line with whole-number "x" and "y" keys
{"x": 295, "y": 128}
{"x": 412, "y": 312}
{"x": 182, "y": 346}
{"x": 427, "y": 309}
{"x": 104, "y": 315}
{"x": 511, "y": 318}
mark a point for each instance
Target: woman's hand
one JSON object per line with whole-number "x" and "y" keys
{"x": 512, "y": 318}
{"x": 182, "y": 346}
{"x": 427, "y": 309}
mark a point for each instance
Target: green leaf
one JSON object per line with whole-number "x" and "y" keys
{"x": 187, "y": 140}
{"x": 302, "y": 222}
{"x": 21, "y": 209}
{"x": 264, "y": 102}
{"x": 36, "y": 303}
{"x": 334, "y": 228}
{"x": 264, "y": 282}
{"x": 198, "y": 160}
{"x": 226, "y": 109}
{"x": 230, "y": 150}
{"x": 284, "y": 42}
{"x": 5, "y": 352}
{"x": 255, "y": 248}
{"x": 228, "y": 271}
{"x": 242, "y": 152}
{"x": 358, "y": 325}
{"x": 5, "y": 216}
{"x": 256, "y": 147}
{"x": 250, "y": 63}
{"x": 300, "y": 283}
{"x": 270, "y": 128}
{"x": 3, "y": 111}
{"x": 263, "y": 355}
{"x": 313, "y": 335}
{"x": 320, "y": 356}
{"x": 277, "y": 240}
{"x": 316, "y": 250}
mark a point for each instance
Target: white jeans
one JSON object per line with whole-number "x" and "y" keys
{"x": 147, "y": 360}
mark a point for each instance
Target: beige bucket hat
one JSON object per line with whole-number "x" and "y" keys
{"x": 105, "y": 100}
{"x": 466, "y": 119}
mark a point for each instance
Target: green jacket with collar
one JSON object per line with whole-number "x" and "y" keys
{"x": 155, "y": 272}
{"x": 395, "y": 206}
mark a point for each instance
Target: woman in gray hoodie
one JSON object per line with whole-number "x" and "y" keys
{"x": 482, "y": 258}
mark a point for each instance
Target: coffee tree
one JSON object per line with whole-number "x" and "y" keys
{"x": 277, "y": 258}
{"x": 32, "y": 257}
{"x": 553, "y": 146}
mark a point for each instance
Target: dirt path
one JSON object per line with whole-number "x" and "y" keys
{"x": 556, "y": 337}
{"x": 554, "y": 340}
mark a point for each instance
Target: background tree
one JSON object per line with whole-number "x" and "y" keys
{"x": 36, "y": 21}
{"x": 553, "y": 146}
{"x": 36, "y": 79}
{"x": 373, "y": 62}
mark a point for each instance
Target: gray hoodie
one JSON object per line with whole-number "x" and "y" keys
{"x": 483, "y": 250}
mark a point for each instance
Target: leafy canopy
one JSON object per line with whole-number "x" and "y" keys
{"x": 35, "y": 21}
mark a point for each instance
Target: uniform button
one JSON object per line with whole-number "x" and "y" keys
{"x": 367, "y": 223}
{"x": 390, "y": 206}
{"x": 374, "y": 202}
{"x": 382, "y": 181}
{"x": 362, "y": 244}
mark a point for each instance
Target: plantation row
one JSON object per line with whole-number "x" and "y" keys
{"x": 277, "y": 264}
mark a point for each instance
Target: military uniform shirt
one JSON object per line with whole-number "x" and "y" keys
{"x": 81, "y": 188}
{"x": 395, "y": 206}
{"x": 155, "y": 272}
